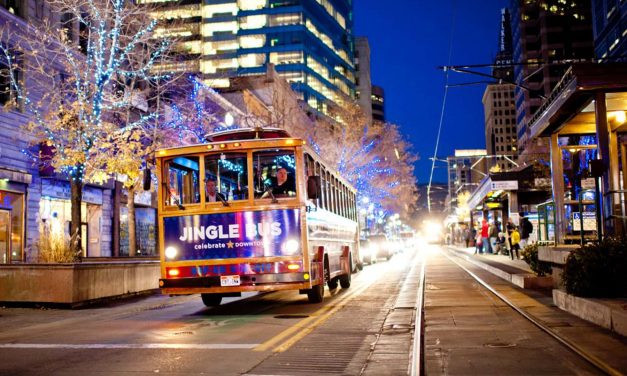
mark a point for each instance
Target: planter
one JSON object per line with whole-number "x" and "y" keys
{"x": 75, "y": 284}
{"x": 608, "y": 313}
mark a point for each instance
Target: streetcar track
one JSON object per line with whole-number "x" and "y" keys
{"x": 546, "y": 328}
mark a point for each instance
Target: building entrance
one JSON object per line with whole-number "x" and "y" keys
{"x": 5, "y": 236}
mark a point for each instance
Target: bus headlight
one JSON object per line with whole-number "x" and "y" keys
{"x": 291, "y": 246}
{"x": 170, "y": 252}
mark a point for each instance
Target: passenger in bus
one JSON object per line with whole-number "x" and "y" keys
{"x": 212, "y": 195}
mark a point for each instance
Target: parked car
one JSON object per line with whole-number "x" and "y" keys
{"x": 380, "y": 246}
{"x": 365, "y": 252}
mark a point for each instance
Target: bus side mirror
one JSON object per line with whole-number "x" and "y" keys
{"x": 313, "y": 187}
{"x": 147, "y": 179}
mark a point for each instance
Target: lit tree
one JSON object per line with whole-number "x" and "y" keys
{"x": 76, "y": 67}
{"x": 374, "y": 158}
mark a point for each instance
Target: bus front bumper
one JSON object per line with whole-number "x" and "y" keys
{"x": 254, "y": 282}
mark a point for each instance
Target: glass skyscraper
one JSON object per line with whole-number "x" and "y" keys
{"x": 309, "y": 42}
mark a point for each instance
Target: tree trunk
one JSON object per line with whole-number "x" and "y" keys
{"x": 132, "y": 242}
{"x": 76, "y": 189}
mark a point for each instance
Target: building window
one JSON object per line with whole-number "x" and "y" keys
{"x": 251, "y": 4}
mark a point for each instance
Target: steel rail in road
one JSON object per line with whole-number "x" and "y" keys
{"x": 417, "y": 353}
{"x": 595, "y": 361}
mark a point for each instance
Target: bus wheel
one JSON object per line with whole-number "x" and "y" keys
{"x": 345, "y": 280}
{"x": 316, "y": 294}
{"x": 211, "y": 300}
{"x": 332, "y": 283}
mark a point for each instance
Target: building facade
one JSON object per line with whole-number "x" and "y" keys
{"x": 363, "y": 79}
{"x": 466, "y": 169}
{"x": 309, "y": 41}
{"x": 498, "y": 105}
{"x": 547, "y": 37}
{"x": 609, "y": 20}
{"x": 378, "y": 103}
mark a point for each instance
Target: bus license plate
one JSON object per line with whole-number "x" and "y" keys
{"x": 229, "y": 280}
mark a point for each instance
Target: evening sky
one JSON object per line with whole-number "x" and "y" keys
{"x": 409, "y": 40}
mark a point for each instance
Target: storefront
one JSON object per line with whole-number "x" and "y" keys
{"x": 11, "y": 222}
{"x": 504, "y": 196}
{"x": 145, "y": 225}
{"x": 55, "y": 211}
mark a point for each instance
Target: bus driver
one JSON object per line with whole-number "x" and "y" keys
{"x": 284, "y": 185}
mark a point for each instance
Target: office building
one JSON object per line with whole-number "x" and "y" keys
{"x": 466, "y": 169}
{"x": 309, "y": 41}
{"x": 548, "y": 36}
{"x": 609, "y": 18}
{"x": 498, "y": 105}
{"x": 363, "y": 80}
{"x": 378, "y": 103}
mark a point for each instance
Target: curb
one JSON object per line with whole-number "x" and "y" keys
{"x": 522, "y": 280}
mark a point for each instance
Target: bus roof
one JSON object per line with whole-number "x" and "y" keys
{"x": 247, "y": 134}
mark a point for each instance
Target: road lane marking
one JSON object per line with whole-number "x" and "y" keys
{"x": 178, "y": 346}
{"x": 305, "y": 326}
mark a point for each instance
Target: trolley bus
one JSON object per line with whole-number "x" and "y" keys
{"x": 253, "y": 210}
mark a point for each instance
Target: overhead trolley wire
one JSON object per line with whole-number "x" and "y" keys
{"x": 437, "y": 140}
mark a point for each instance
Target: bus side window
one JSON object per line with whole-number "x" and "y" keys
{"x": 183, "y": 181}
{"x": 325, "y": 189}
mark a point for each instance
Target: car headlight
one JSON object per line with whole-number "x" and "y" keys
{"x": 170, "y": 252}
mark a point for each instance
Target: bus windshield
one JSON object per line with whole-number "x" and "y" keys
{"x": 275, "y": 173}
{"x": 226, "y": 176}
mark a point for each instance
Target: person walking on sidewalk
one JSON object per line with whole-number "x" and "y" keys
{"x": 515, "y": 244}
{"x": 526, "y": 229}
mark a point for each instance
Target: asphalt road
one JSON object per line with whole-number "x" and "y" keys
{"x": 276, "y": 332}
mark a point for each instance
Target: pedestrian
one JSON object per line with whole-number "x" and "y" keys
{"x": 485, "y": 230}
{"x": 515, "y": 244}
{"x": 510, "y": 227}
{"x": 478, "y": 243}
{"x": 526, "y": 228}
{"x": 500, "y": 244}
{"x": 493, "y": 234}
{"x": 467, "y": 236}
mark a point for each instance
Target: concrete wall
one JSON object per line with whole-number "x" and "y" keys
{"x": 76, "y": 283}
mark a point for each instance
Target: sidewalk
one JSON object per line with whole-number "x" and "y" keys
{"x": 610, "y": 314}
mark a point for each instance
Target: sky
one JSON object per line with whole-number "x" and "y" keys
{"x": 409, "y": 40}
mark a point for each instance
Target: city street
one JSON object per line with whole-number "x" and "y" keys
{"x": 275, "y": 333}
{"x": 365, "y": 330}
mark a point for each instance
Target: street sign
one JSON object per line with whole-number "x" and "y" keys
{"x": 505, "y": 185}
{"x": 587, "y": 183}
{"x": 589, "y": 221}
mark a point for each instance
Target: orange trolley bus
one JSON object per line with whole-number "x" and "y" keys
{"x": 253, "y": 210}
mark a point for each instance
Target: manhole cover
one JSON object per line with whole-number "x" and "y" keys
{"x": 499, "y": 344}
{"x": 291, "y": 316}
